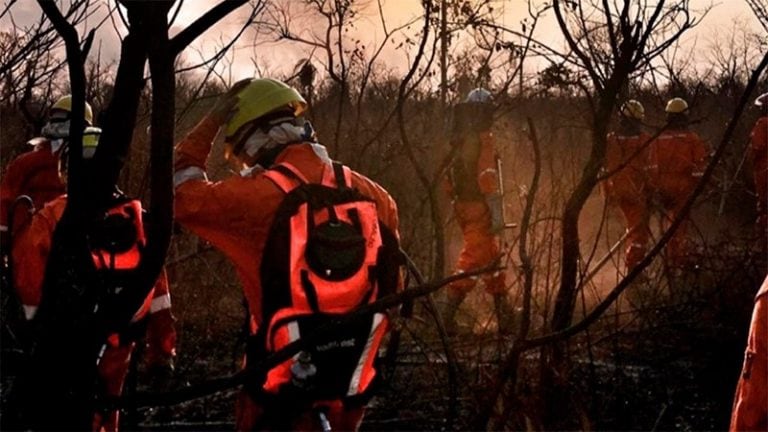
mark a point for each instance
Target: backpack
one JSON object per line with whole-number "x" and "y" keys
{"x": 82, "y": 312}
{"x": 325, "y": 254}
{"x": 462, "y": 172}
{"x": 116, "y": 240}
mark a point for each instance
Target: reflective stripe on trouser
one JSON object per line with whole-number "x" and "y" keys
{"x": 160, "y": 302}
{"x": 636, "y": 217}
{"x": 366, "y": 358}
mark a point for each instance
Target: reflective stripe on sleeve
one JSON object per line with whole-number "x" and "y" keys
{"x": 293, "y": 331}
{"x": 293, "y": 335}
{"x": 189, "y": 173}
{"x": 160, "y": 303}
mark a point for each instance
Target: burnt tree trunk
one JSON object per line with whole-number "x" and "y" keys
{"x": 58, "y": 388}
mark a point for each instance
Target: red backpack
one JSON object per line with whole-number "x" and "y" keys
{"x": 322, "y": 259}
{"x": 116, "y": 240}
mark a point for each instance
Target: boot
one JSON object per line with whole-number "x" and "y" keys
{"x": 505, "y": 314}
{"x": 448, "y": 314}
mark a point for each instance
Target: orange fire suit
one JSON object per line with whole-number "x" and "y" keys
{"x": 759, "y": 149}
{"x": 34, "y": 173}
{"x": 236, "y": 215}
{"x": 750, "y": 405}
{"x": 31, "y": 247}
{"x": 677, "y": 159}
{"x": 625, "y": 160}
{"x": 476, "y": 179}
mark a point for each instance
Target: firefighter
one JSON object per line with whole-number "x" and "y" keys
{"x": 247, "y": 217}
{"x": 473, "y": 184}
{"x": 31, "y": 247}
{"x": 626, "y": 185}
{"x": 677, "y": 159}
{"x": 750, "y": 405}
{"x": 35, "y": 173}
{"x": 759, "y": 151}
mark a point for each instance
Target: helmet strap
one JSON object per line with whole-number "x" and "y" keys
{"x": 242, "y": 136}
{"x": 263, "y": 123}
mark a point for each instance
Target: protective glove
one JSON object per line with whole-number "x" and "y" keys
{"x": 496, "y": 207}
{"x": 226, "y": 104}
{"x": 309, "y": 132}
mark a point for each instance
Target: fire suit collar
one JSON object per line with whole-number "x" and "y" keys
{"x": 299, "y": 150}
{"x": 251, "y": 171}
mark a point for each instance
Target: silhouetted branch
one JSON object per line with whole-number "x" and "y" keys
{"x": 257, "y": 368}
{"x": 214, "y": 15}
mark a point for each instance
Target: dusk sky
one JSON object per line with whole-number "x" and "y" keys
{"x": 280, "y": 57}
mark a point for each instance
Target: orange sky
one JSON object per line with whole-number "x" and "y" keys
{"x": 283, "y": 56}
{"x": 280, "y": 58}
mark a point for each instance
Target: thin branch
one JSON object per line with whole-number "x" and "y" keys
{"x": 175, "y": 13}
{"x": 611, "y": 28}
{"x": 575, "y": 46}
{"x": 259, "y": 367}
{"x": 68, "y": 32}
{"x": 214, "y": 15}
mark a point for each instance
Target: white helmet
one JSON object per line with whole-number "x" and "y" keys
{"x": 676, "y": 106}
{"x": 632, "y": 109}
{"x": 762, "y": 100}
{"x": 478, "y": 95}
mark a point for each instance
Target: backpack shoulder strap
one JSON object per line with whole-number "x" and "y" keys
{"x": 340, "y": 175}
{"x": 337, "y": 176}
{"x": 286, "y": 176}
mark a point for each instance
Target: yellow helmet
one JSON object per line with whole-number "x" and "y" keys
{"x": 65, "y": 104}
{"x": 676, "y": 106}
{"x": 261, "y": 97}
{"x": 632, "y": 109}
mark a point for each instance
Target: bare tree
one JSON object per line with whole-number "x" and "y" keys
{"x": 69, "y": 320}
{"x": 609, "y": 43}
{"x": 32, "y": 60}
{"x": 628, "y": 36}
{"x": 760, "y": 9}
